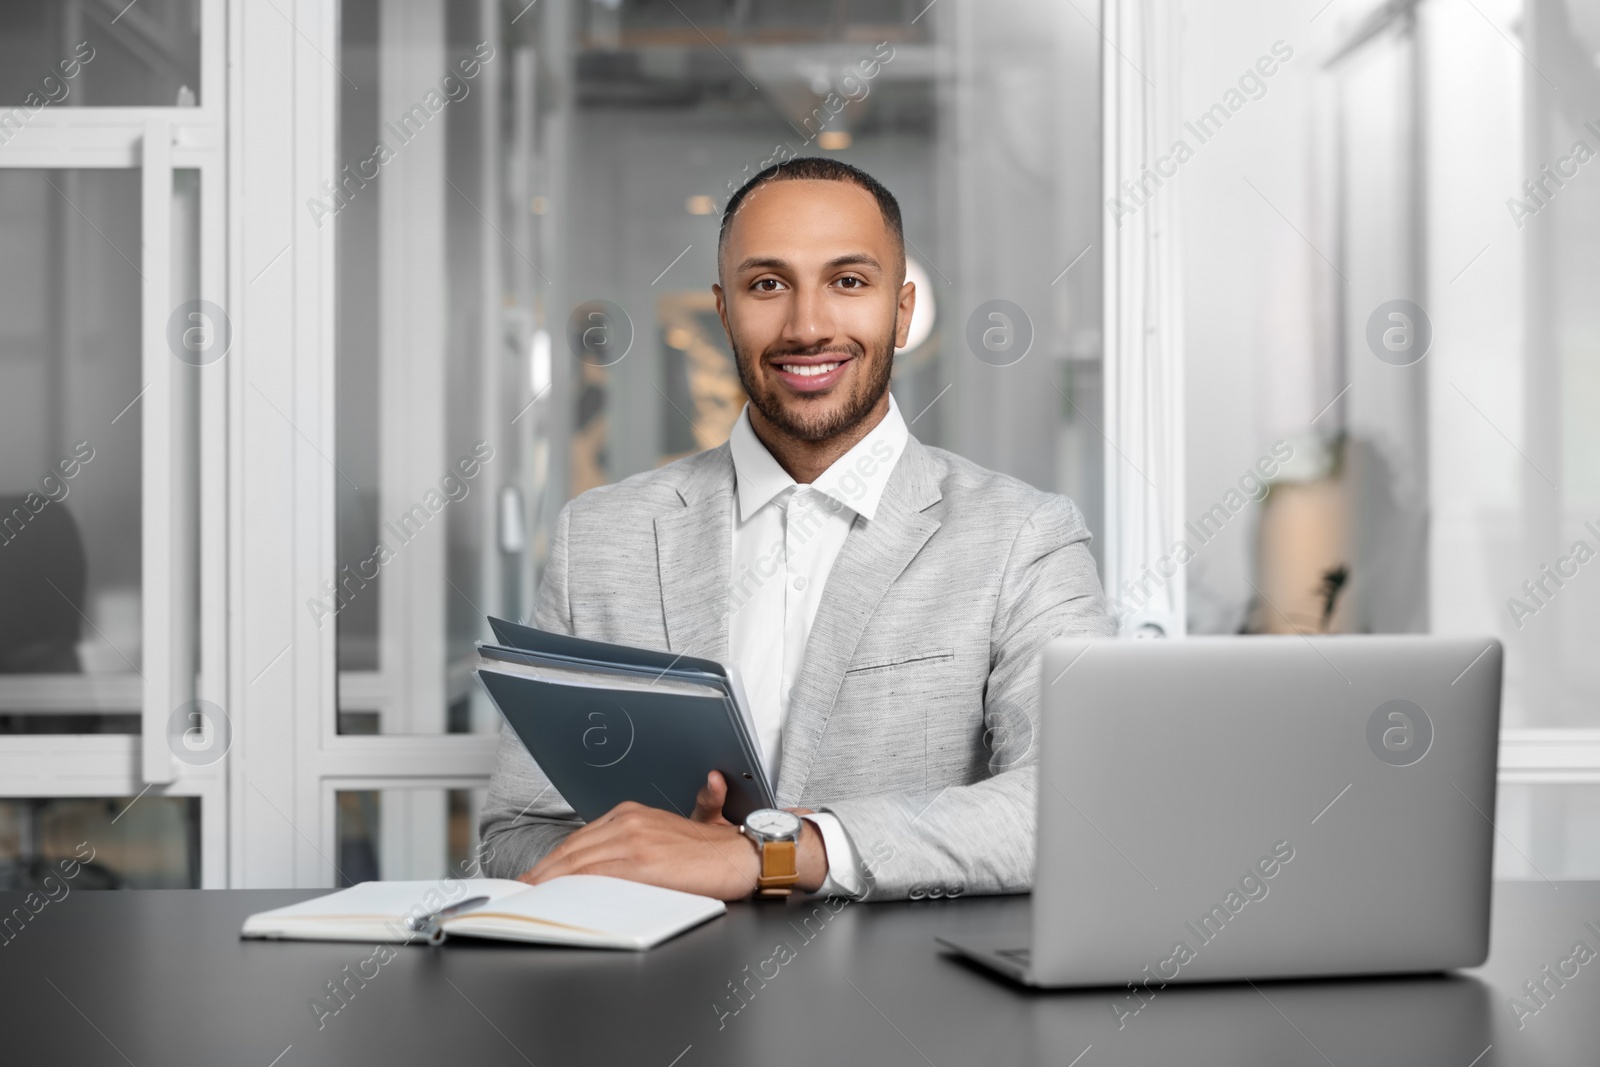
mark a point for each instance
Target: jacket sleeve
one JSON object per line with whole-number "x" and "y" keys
{"x": 524, "y": 817}
{"x": 979, "y": 838}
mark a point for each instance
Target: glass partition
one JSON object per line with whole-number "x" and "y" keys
{"x": 103, "y": 345}
{"x": 97, "y": 53}
{"x": 1548, "y": 832}
{"x": 378, "y": 838}
{"x": 526, "y": 218}
{"x": 71, "y": 644}
{"x": 422, "y": 357}
{"x": 137, "y": 842}
{"x": 1389, "y": 284}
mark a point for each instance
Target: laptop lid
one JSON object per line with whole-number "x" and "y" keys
{"x": 1217, "y": 808}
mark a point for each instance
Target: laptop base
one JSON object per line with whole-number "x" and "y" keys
{"x": 1000, "y": 954}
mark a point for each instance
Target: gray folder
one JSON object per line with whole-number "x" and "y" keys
{"x": 608, "y": 723}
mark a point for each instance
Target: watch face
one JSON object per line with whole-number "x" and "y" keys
{"x": 773, "y": 823}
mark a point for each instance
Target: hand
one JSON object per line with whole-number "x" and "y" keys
{"x": 703, "y": 854}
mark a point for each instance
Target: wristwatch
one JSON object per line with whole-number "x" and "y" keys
{"x": 776, "y": 835}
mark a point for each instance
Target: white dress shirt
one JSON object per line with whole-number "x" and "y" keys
{"x": 785, "y": 540}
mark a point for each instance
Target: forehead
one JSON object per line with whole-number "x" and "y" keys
{"x": 806, "y": 218}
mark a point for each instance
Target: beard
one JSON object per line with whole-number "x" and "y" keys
{"x": 870, "y": 385}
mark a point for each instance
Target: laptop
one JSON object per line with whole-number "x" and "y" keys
{"x": 1263, "y": 807}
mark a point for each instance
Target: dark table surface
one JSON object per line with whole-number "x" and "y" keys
{"x": 162, "y": 977}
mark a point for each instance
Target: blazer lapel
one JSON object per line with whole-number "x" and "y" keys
{"x": 875, "y": 553}
{"x": 693, "y": 551}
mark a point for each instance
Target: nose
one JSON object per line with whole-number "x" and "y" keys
{"x": 808, "y": 323}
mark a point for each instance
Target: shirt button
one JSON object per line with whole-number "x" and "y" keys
{"x": 800, "y": 583}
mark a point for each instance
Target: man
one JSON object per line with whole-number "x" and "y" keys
{"x": 885, "y": 602}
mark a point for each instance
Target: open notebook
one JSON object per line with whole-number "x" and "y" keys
{"x": 580, "y": 909}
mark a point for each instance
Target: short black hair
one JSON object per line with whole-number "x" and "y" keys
{"x": 817, "y": 168}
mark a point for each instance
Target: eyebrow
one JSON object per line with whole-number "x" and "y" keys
{"x": 774, "y": 263}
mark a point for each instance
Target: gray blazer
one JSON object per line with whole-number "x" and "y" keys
{"x": 915, "y": 712}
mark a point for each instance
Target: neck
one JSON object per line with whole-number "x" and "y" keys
{"x": 806, "y": 460}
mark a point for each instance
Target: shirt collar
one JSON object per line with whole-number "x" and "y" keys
{"x": 856, "y": 479}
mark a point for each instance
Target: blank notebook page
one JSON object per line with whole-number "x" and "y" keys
{"x": 373, "y": 910}
{"x": 584, "y": 909}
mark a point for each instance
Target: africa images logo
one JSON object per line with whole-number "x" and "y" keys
{"x": 1399, "y": 733}
{"x": 1399, "y": 332}
{"x": 199, "y": 733}
{"x": 607, "y": 735}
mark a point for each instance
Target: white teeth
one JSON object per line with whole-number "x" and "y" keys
{"x": 808, "y": 370}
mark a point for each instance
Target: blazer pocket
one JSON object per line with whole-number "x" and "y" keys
{"x": 902, "y": 659}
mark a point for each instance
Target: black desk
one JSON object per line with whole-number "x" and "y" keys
{"x": 161, "y": 978}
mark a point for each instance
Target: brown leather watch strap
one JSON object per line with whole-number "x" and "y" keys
{"x": 780, "y": 869}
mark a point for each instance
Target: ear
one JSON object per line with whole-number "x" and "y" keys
{"x": 908, "y": 304}
{"x": 722, "y": 314}
{"x": 722, "y": 308}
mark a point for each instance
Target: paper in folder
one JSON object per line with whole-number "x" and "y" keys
{"x": 607, "y": 723}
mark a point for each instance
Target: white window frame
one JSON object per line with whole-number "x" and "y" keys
{"x": 156, "y": 141}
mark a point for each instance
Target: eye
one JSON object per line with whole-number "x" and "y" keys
{"x": 850, "y": 281}
{"x": 766, "y": 285}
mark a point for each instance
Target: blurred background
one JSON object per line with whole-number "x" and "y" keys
{"x": 314, "y": 314}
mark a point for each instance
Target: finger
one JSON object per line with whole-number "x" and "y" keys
{"x": 588, "y": 830}
{"x": 708, "y": 802}
{"x": 536, "y": 874}
{"x": 544, "y": 872}
{"x": 579, "y": 861}
{"x": 620, "y": 840}
{"x": 552, "y": 866}
{"x": 616, "y": 869}
{"x": 581, "y": 834}
{"x": 620, "y": 809}
{"x": 582, "y": 837}
{"x": 611, "y": 833}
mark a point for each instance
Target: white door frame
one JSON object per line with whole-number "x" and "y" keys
{"x": 1143, "y": 315}
{"x": 290, "y": 760}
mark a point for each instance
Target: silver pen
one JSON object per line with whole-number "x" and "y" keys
{"x": 428, "y": 924}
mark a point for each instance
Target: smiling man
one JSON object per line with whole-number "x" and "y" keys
{"x": 885, "y": 602}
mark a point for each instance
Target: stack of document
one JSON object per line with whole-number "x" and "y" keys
{"x": 608, "y": 723}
